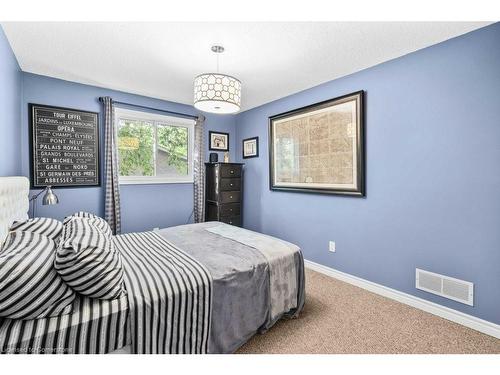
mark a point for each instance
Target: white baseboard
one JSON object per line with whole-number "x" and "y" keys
{"x": 470, "y": 321}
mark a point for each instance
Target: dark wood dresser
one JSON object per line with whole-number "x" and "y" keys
{"x": 223, "y": 192}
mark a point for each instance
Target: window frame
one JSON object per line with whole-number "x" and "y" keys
{"x": 162, "y": 120}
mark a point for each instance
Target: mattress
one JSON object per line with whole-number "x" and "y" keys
{"x": 240, "y": 305}
{"x": 94, "y": 326}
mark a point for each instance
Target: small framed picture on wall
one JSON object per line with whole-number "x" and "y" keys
{"x": 218, "y": 141}
{"x": 251, "y": 147}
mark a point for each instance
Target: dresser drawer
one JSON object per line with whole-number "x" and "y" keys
{"x": 234, "y": 220}
{"x": 231, "y": 209}
{"x": 230, "y": 171}
{"x": 230, "y": 184}
{"x": 212, "y": 212}
{"x": 229, "y": 196}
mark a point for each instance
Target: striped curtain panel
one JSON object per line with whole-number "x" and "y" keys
{"x": 112, "y": 197}
{"x": 199, "y": 171}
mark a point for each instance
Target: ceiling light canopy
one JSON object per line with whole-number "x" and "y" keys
{"x": 216, "y": 92}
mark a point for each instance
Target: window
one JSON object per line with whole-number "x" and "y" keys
{"x": 154, "y": 148}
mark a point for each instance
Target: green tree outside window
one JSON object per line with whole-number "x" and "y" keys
{"x": 136, "y": 148}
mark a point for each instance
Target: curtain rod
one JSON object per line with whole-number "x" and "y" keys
{"x": 153, "y": 109}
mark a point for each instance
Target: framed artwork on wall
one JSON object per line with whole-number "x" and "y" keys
{"x": 218, "y": 141}
{"x": 250, "y": 147}
{"x": 319, "y": 148}
{"x": 64, "y": 147}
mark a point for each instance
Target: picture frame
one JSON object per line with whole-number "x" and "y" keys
{"x": 218, "y": 141}
{"x": 319, "y": 148}
{"x": 250, "y": 148}
{"x": 49, "y": 128}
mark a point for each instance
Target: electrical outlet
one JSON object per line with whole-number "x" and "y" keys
{"x": 331, "y": 246}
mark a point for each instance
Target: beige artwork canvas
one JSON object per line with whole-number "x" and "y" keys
{"x": 250, "y": 148}
{"x": 319, "y": 148}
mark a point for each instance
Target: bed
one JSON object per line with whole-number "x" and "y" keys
{"x": 235, "y": 283}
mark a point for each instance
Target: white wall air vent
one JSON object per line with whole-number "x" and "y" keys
{"x": 445, "y": 286}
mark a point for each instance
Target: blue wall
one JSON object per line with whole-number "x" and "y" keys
{"x": 143, "y": 206}
{"x": 433, "y": 180}
{"x": 10, "y": 115}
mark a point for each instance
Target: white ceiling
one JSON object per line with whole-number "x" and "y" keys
{"x": 272, "y": 60}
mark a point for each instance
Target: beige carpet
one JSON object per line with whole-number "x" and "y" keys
{"x": 341, "y": 318}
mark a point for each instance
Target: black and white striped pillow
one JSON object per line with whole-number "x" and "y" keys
{"x": 42, "y": 225}
{"x": 93, "y": 219}
{"x": 30, "y": 287}
{"x": 87, "y": 261}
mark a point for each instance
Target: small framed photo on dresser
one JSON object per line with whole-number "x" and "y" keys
{"x": 218, "y": 141}
{"x": 251, "y": 147}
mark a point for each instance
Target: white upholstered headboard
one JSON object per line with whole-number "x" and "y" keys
{"x": 14, "y": 202}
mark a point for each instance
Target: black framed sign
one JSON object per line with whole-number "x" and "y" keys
{"x": 319, "y": 148}
{"x": 64, "y": 147}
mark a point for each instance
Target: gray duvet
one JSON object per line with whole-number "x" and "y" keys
{"x": 241, "y": 305}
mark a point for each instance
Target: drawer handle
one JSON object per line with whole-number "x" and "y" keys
{"x": 230, "y": 222}
{"x": 230, "y": 184}
{"x": 231, "y": 171}
{"x": 231, "y": 196}
{"x": 231, "y": 209}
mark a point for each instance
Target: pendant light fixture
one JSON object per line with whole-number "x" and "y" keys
{"x": 216, "y": 92}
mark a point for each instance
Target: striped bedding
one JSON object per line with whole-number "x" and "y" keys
{"x": 160, "y": 279}
{"x": 95, "y": 326}
{"x": 170, "y": 295}
{"x": 30, "y": 287}
{"x": 51, "y": 228}
{"x": 87, "y": 261}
